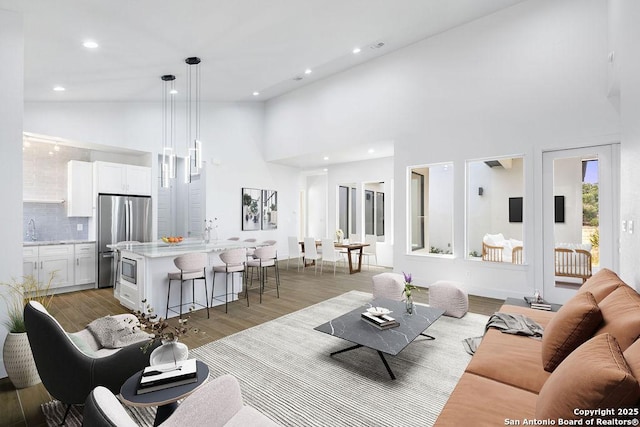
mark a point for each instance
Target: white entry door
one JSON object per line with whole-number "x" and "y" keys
{"x": 580, "y": 208}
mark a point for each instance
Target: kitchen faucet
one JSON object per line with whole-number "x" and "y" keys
{"x": 31, "y": 229}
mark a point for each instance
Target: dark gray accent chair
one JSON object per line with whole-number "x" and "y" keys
{"x": 68, "y": 373}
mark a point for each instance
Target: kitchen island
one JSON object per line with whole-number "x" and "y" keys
{"x": 143, "y": 269}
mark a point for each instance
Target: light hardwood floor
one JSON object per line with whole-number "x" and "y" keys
{"x": 298, "y": 290}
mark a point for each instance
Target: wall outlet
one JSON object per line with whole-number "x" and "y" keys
{"x": 624, "y": 226}
{"x": 79, "y": 227}
{"x": 630, "y": 226}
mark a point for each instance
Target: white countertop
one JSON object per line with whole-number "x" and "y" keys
{"x": 161, "y": 249}
{"x": 55, "y": 242}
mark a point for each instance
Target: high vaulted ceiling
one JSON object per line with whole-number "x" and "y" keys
{"x": 245, "y": 45}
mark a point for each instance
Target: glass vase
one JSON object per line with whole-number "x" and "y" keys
{"x": 409, "y": 304}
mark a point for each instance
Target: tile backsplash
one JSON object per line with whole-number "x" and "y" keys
{"x": 52, "y": 222}
{"x": 45, "y": 178}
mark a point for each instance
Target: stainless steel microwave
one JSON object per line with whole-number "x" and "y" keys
{"x": 129, "y": 270}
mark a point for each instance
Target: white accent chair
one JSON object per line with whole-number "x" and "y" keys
{"x": 330, "y": 254}
{"x": 311, "y": 252}
{"x": 294, "y": 251}
{"x": 217, "y": 403}
{"x": 372, "y": 249}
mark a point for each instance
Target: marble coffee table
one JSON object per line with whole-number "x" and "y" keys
{"x": 351, "y": 327}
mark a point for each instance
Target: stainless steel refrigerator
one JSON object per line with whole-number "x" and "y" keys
{"x": 120, "y": 218}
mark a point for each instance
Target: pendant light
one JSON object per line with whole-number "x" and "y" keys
{"x": 168, "y": 165}
{"x": 194, "y": 146}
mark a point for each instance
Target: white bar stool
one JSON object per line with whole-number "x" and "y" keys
{"x": 234, "y": 262}
{"x": 192, "y": 267}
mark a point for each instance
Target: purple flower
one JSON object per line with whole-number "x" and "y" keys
{"x": 407, "y": 277}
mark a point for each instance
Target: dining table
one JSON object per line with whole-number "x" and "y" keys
{"x": 355, "y": 248}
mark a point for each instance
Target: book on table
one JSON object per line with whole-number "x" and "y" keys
{"x": 160, "y": 377}
{"x": 538, "y": 304}
{"x": 381, "y": 322}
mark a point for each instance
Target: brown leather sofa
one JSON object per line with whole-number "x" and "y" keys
{"x": 588, "y": 359}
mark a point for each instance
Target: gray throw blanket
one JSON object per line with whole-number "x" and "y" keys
{"x": 516, "y": 324}
{"x": 111, "y": 333}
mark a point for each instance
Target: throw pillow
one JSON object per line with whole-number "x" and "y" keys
{"x": 601, "y": 284}
{"x": 81, "y": 344}
{"x": 573, "y": 324}
{"x": 595, "y": 375}
{"x": 621, "y": 315}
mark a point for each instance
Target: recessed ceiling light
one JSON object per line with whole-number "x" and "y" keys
{"x": 173, "y": 91}
{"x": 56, "y": 147}
{"x": 325, "y": 170}
{"x": 51, "y": 153}
{"x": 371, "y": 151}
{"x": 356, "y": 50}
{"x": 59, "y": 88}
{"x": 90, "y": 44}
{"x": 325, "y": 158}
{"x": 307, "y": 71}
{"x": 256, "y": 93}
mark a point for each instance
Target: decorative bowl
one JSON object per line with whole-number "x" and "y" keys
{"x": 378, "y": 311}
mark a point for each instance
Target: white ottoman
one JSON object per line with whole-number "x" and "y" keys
{"x": 450, "y": 297}
{"x": 389, "y": 286}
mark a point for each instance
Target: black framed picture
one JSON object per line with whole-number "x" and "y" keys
{"x": 251, "y": 204}
{"x": 515, "y": 209}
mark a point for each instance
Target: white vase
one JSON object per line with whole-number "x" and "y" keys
{"x": 18, "y": 360}
{"x": 169, "y": 352}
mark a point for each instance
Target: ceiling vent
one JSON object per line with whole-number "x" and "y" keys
{"x": 377, "y": 45}
{"x": 493, "y": 163}
{"x": 298, "y": 78}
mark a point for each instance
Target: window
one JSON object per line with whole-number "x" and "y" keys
{"x": 431, "y": 209}
{"x": 496, "y": 209}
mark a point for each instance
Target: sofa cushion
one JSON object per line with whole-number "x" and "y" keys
{"x": 621, "y": 315}
{"x": 632, "y": 356}
{"x": 480, "y": 401}
{"x": 573, "y": 324}
{"x": 601, "y": 284}
{"x": 511, "y": 359}
{"x": 607, "y": 383}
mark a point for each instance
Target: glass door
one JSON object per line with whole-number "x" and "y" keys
{"x": 579, "y": 208}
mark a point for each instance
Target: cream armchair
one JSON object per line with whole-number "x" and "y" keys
{"x": 217, "y": 403}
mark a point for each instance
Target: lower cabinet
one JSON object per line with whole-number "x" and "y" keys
{"x": 71, "y": 264}
{"x": 85, "y": 263}
{"x": 43, "y": 261}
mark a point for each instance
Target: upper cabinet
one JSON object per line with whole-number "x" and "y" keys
{"x": 79, "y": 188}
{"x": 118, "y": 178}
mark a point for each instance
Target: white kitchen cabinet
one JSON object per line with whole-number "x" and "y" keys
{"x": 42, "y": 261}
{"x": 79, "y": 188}
{"x": 119, "y": 178}
{"x": 85, "y": 263}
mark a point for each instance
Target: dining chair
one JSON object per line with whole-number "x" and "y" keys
{"x": 264, "y": 258}
{"x": 371, "y": 250}
{"x": 311, "y": 252}
{"x": 330, "y": 254}
{"x": 191, "y": 267}
{"x": 234, "y": 262}
{"x": 294, "y": 251}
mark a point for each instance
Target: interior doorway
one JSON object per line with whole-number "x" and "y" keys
{"x": 580, "y": 202}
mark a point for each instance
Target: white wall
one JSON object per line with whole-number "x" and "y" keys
{"x": 526, "y": 79}
{"x": 626, "y": 42}
{"x": 232, "y": 141}
{"x": 11, "y": 100}
{"x": 440, "y": 210}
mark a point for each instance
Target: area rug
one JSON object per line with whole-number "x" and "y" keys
{"x": 286, "y": 373}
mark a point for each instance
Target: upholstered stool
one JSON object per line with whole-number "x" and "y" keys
{"x": 450, "y": 297}
{"x": 389, "y": 286}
